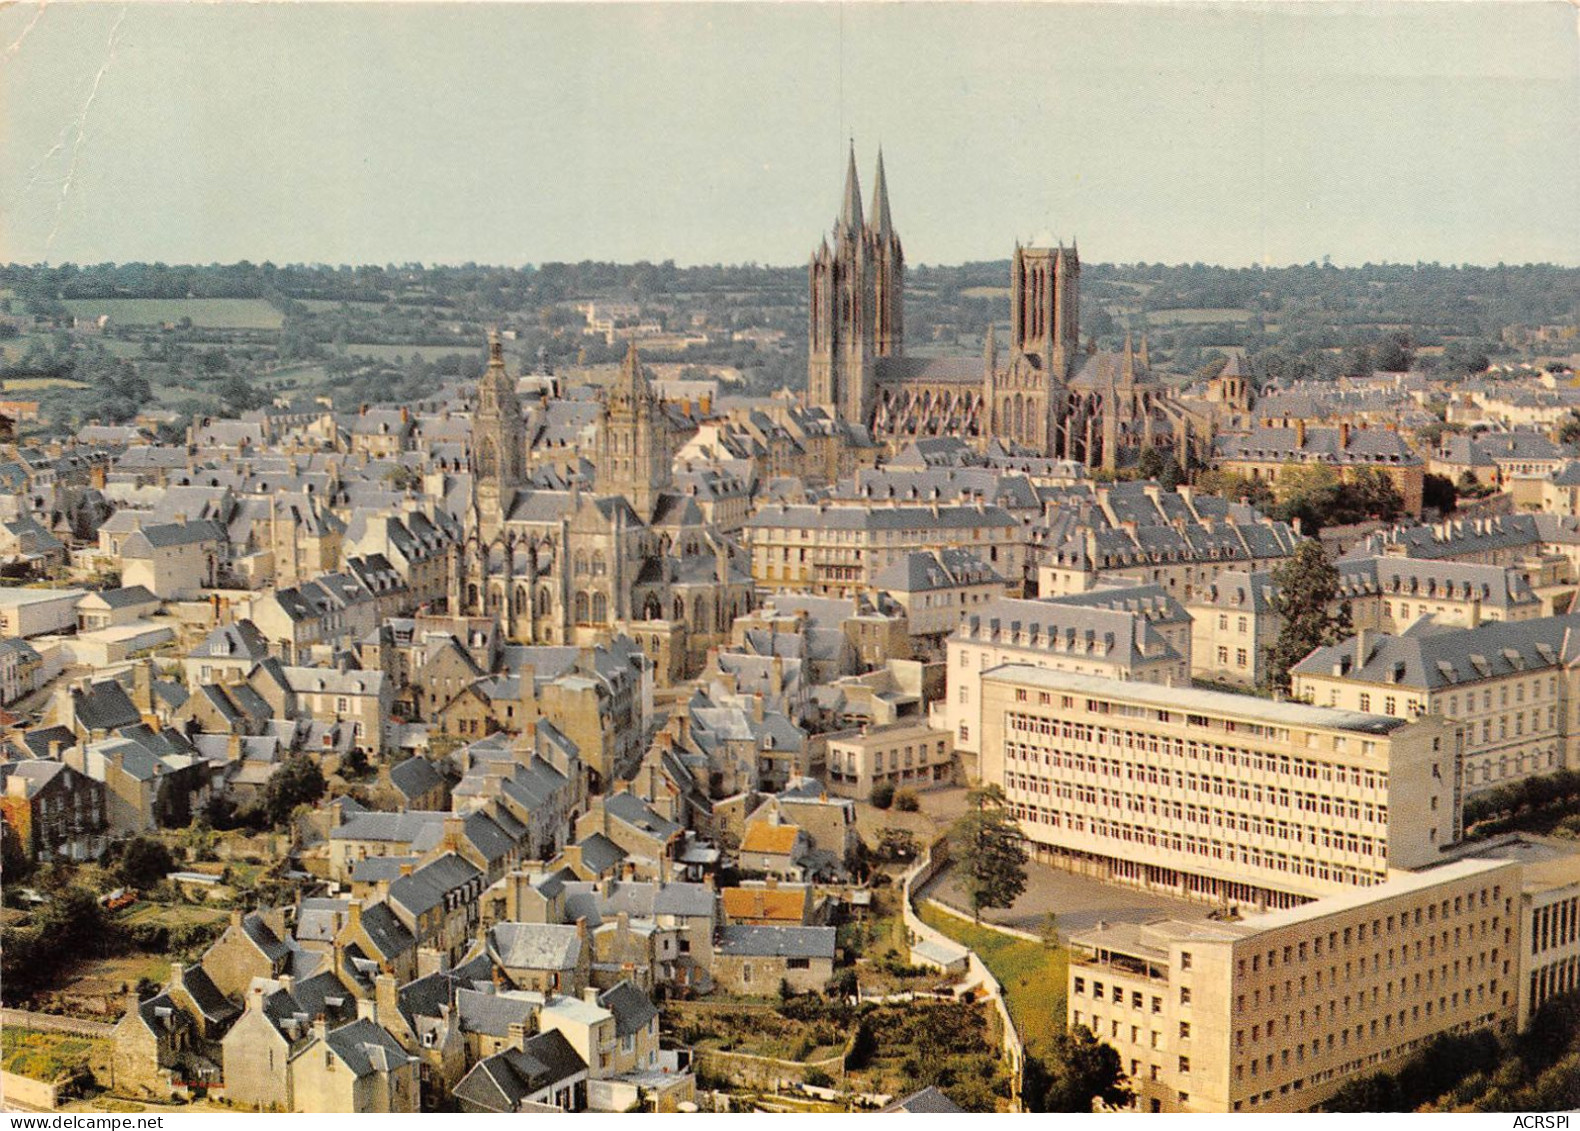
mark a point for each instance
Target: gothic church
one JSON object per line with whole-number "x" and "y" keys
{"x": 1042, "y": 395}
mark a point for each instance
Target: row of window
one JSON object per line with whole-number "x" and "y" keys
{"x": 1016, "y": 723}
{"x": 1029, "y": 765}
{"x": 1254, "y": 857}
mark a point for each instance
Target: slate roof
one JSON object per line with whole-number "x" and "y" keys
{"x": 415, "y": 777}
{"x": 1429, "y": 657}
{"x": 632, "y": 810}
{"x": 105, "y": 706}
{"x": 387, "y": 933}
{"x": 632, "y": 1008}
{"x": 240, "y": 640}
{"x": 428, "y": 886}
{"x": 776, "y": 942}
{"x": 500, "y": 1083}
{"x": 535, "y": 946}
{"x": 366, "y": 1047}
{"x": 600, "y": 854}
{"x": 925, "y": 571}
{"x": 928, "y": 1101}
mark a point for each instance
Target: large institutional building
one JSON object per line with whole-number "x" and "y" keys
{"x": 1043, "y": 394}
{"x": 1217, "y": 796}
{"x": 1275, "y": 1012}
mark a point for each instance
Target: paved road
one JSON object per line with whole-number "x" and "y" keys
{"x": 1079, "y": 901}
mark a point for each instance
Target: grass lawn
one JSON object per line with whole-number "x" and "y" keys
{"x": 1033, "y": 976}
{"x": 170, "y": 914}
{"x": 47, "y": 1056}
{"x": 218, "y": 313}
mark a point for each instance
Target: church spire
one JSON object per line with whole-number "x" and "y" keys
{"x": 881, "y": 223}
{"x": 1127, "y": 370}
{"x": 850, "y": 219}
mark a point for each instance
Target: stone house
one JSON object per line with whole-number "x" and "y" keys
{"x": 354, "y": 1069}
{"x": 754, "y": 960}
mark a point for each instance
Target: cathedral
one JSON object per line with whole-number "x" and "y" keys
{"x": 1040, "y": 395}
{"x": 633, "y": 556}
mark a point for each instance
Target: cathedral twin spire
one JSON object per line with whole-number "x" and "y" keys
{"x": 852, "y": 221}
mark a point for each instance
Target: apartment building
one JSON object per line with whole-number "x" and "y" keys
{"x": 1275, "y": 1012}
{"x": 1234, "y": 622}
{"x": 1508, "y": 683}
{"x": 1217, "y": 796}
{"x": 1262, "y": 453}
{"x": 1138, "y": 640}
{"x": 906, "y": 755}
{"x": 840, "y": 551}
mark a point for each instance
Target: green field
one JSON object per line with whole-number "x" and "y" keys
{"x": 47, "y": 1056}
{"x": 379, "y": 351}
{"x": 36, "y": 384}
{"x": 1033, "y": 975}
{"x": 1193, "y": 315}
{"x": 985, "y": 292}
{"x": 215, "y": 313}
{"x": 319, "y": 305}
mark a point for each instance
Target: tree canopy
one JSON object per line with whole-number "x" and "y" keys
{"x": 298, "y": 781}
{"x": 1308, "y": 601}
{"x": 988, "y": 851}
{"x": 1073, "y": 1071}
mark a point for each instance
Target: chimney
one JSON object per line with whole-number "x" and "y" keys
{"x": 320, "y": 1027}
{"x": 1363, "y": 647}
{"x": 1344, "y": 435}
{"x": 590, "y": 995}
{"x": 367, "y": 1010}
{"x": 176, "y": 970}
{"x": 353, "y": 915}
{"x": 518, "y": 1035}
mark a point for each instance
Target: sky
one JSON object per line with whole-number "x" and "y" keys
{"x": 1233, "y": 133}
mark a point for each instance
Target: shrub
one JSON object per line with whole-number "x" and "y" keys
{"x": 882, "y": 795}
{"x": 817, "y": 1078}
{"x": 906, "y": 801}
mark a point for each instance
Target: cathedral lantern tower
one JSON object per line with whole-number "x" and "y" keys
{"x": 633, "y": 458}
{"x": 498, "y": 442}
{"x": 1045, "y": 307}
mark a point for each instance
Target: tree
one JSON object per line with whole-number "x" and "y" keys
{"x": 298, "y": 781}
{"x": 1438, "y": 493}
{"x": 863, "y": 1047}
{"x": 988, "y": 851}
{"x": 1050, "y": 931}
{"x": 1076, "y": 1070}
{"x": 896, "y": 845}
{"x": 144, "y": 862}
{"x": 1569, "y": 430}
{"x": 1306, "y": 598}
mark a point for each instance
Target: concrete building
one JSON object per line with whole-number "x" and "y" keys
{"x": 1140, "y": 633}
{"x": 1276, "y": 1012}
{"x": 34, "y": 612}
{"x": 1217, "y": 796}
{"x": 907, "y": 755}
